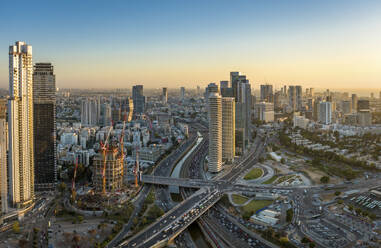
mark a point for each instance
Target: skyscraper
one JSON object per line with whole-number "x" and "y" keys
{"x": 354, "y": 102}
{"x": 228, "y": 129}
{"x": 90, "y": 112}
{"x": 211, "y": 88}
{"x": 363, "y": 105}
{"x": 346, "y": 107}
{"x": 224, "y": 84}
{"x": 44, "y": 113}
{"x": 3, "y": 156}
{"x": 325, "y": 113}
{"x": 182, "y": 93}
{"x": 164, "y": 97}
{"x": 295, "y": 97}
{"x": 242, "y": 94}
{"x": 20, "y": 121}
{"x": 267, "y": 93}
{"x": 138, "y": 99}
{"x": 215, "y": 133}
{"x": 127, "y": 108}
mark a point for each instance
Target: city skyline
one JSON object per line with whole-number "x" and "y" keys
{"x": 319, "y": 44}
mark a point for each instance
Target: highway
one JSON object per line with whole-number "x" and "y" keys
{"x": 175, "y": 221}
{"x": 164, "y": 168}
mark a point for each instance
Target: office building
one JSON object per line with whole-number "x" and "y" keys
{"x": 215, "y": 133}
{"x": 182, "y": 93}
{"x": 20, "y": 125}
{"x": 224, "y": 84}
{"x": 264, "y": 111}
{"x": 164, "y": 97}
{"x": 242, "y": 94}
{"x": 228, "y": 129}
{"x": 363, "y": 105}
{"x": 3, "y": 156}
{"x": 346, "y": 107}
{"x": 44, "y": 116}
{"x": 354, "y": 102}
{"x": 364, "y": 117}
{"x": 266, "y": 93}
{"x": 295, "y": 97}
{"x": 138, "y": 98}
{"x": 325, "y": 113}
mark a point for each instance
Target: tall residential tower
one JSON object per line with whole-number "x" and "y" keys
{"x": 215, "y": 133}
{"x": 20, "y": 123}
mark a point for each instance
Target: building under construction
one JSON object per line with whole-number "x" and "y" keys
{"x": 108, "y": 170}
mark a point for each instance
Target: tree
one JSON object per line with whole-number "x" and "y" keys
{"x": 282, "y": 160}
{"x": 62, "y": 187}
{"x": 324, "y": 179}
{"x": 312, "y": 245}
{"x": 305, "y": 240}
{"x": 337, "y": 193}
{"x": 16, "y": 227}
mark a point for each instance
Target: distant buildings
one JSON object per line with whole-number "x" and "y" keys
{"x": 20, "y": 121}
{"x": 224, "y": 84}
{"x": 139, "y": 99}
{"x": 164, "y": 97}
{"x": 215, "y": 133}
{"x": 44, "y": 99}
{"x": 346, "y": 107}
{"x": 182, "y": 93}
{"x": 325, "y": 113}
{"x": 295, "y": 97}
{"x": 264, "y": 111}
{"x": 363, "y": 105}
{"x": 354, "y": 102}
{"x": 267, "y": 93}
{"x": 90, "y": 112}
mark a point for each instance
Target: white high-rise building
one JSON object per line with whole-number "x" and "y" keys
{"x": 90, "y": 112}
{"x": 20, "y": 121}
{"x": 215, "y": 133}
{"x": 228, "y": 129}
{"x": 325, "y": 113}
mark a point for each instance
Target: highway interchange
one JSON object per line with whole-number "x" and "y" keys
{"x": 177, "y": 219}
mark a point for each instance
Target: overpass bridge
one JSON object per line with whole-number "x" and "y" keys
{"x": 171, "y": 224}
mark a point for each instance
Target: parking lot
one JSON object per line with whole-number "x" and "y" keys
{"x": 327, "y": 234}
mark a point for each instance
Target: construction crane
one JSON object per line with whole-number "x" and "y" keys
{"x": 122, "y": 142}
{"x": 104, "y": 149}
{"x": 73, "y": 192}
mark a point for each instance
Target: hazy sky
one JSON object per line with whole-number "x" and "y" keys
{"x": 334, "y": 44}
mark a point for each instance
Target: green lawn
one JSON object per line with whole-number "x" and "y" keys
{"x": 254, "y": 174}
{"x": 271, "y": 180}
{"x": 255, "y": 205}
{"x": 239, "y": 199}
